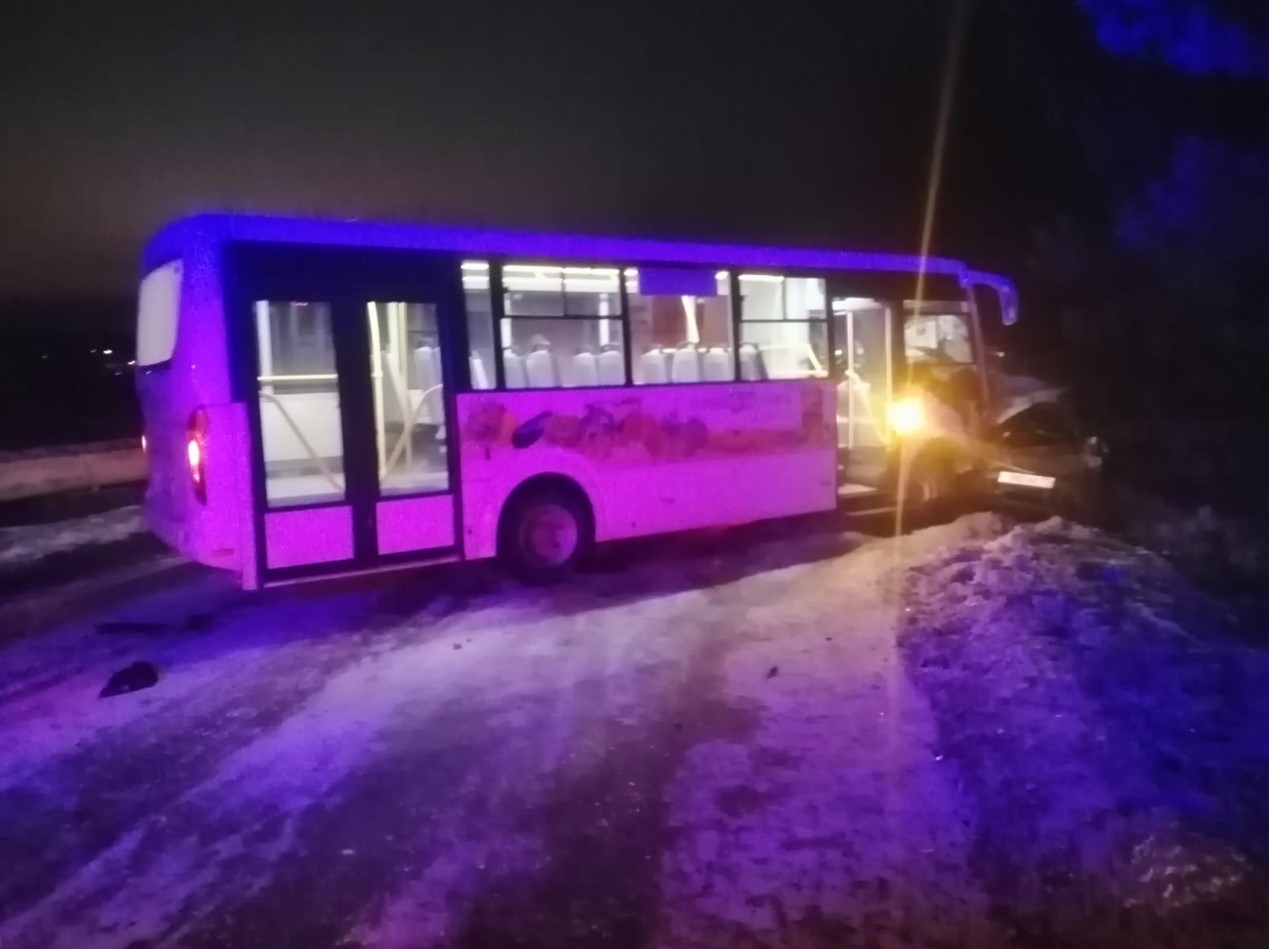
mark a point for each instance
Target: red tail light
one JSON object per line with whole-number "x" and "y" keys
{"x": 196, "y": 452}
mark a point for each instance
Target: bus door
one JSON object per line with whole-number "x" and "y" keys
{"x": 865, "y": 314}
{"x": 345, "y": 358}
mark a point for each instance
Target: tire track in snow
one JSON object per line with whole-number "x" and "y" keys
{"x": 831, "y": 823}
{"x": 605, "y": 820}
{"x": 219, "y": 692}
{"x": 459, "y": 795}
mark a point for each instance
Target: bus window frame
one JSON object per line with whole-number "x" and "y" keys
{"x": 498, "y": 310}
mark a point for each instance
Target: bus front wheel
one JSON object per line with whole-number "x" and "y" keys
{"x": 545, "y": 534}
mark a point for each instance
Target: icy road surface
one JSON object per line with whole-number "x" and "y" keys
{"x": 807, "y": 740}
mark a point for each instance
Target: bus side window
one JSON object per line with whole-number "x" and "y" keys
{"x": 562, "y": 327}
{"x": 785, "y": 319}
{"x": 680, "y": 325}
{"x": 479, "y": 309}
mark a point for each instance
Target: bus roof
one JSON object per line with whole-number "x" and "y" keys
{"x": 184, "y": 235}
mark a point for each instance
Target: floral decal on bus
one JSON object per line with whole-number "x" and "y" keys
{"x": 629, "y": 429}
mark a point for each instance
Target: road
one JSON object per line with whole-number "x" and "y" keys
{"x": 702, "y": 743}
{"x": 979, "y": 734}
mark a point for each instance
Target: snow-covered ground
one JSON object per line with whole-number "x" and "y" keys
{"x": 1109, "y": 722}
{"x": 967, "y": 736}
{"x": 29, "y": 543}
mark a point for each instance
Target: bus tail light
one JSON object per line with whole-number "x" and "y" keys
{"x": 196, "y": 452}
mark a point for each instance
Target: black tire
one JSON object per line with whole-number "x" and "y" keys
{"x": 544, "y": 534}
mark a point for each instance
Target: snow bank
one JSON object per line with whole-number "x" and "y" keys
{"x": 21, "y": 545}
{"x": 69, "y": 468}
{"x": 78, "y": 448}
{"x": 1107, "y": 722}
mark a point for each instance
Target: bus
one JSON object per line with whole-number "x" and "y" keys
{"x": 331, "y": 397}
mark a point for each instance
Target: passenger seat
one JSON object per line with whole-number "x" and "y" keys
{"x": 585, "y": 370}
{"x": 612, "y": 366}
{"x": 653, "y": 364}
{"x": 541, "y": 370}
{"x": 685, "y": 364}
{"x": 752, "y": 366}
{"x": 717, "y": 364}
{"x": 513, "y": 369}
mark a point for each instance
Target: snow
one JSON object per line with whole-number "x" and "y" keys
{"x": 27, "y": 543}
{"x": 1087, "y": 689}
{"x": 967, "y": 736}
{"x": 51, "y": 470}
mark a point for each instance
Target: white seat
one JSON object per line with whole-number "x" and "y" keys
{"x": 716, "y": 364}
{"x": 585, "y": 370}
{"x": 539, "y": 366}
{"x": 612, "y": 368}
{"x": 752, "y": 366}
{"x": 513, "y": 369}
{"x": 479, "y": 377}
{"x": 685, "y": 364}
{"x": 653, "y": 364}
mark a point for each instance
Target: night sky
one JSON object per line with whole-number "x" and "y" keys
{"x": 799, "y": 126}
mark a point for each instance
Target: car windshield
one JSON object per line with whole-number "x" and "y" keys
{"x": 937, "y": 333}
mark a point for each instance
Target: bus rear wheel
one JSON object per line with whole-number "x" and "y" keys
{"x": 545, "y": 534}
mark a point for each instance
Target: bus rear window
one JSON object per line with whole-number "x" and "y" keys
{"x": 157, "y": 310}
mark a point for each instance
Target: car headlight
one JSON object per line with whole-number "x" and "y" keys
{"x": 907, "y": 416}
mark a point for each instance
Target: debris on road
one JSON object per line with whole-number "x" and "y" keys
{"x": 133, "y": 678}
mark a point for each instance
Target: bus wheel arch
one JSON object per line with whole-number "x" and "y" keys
{"x": 546, "y": 528}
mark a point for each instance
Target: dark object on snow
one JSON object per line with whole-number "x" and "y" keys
{"x": 133, "y": 678}
{"x": 131, "y": 626}
{"x": 196, "y": 623}
{"x": 773, "y": 672}
{"x": 1103, "y": 572}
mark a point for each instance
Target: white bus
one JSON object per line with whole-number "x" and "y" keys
{"x": 325, "y": 397}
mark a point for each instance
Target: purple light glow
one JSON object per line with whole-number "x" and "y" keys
{"x": 172, "y": 241}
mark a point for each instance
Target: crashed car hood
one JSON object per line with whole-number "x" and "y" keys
{"x": 1018, "y": 393}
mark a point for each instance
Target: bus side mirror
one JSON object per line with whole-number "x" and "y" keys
{"x": 1008, "y": 308}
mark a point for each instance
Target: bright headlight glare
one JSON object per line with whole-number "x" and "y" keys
{"x": 907, "y": 416}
